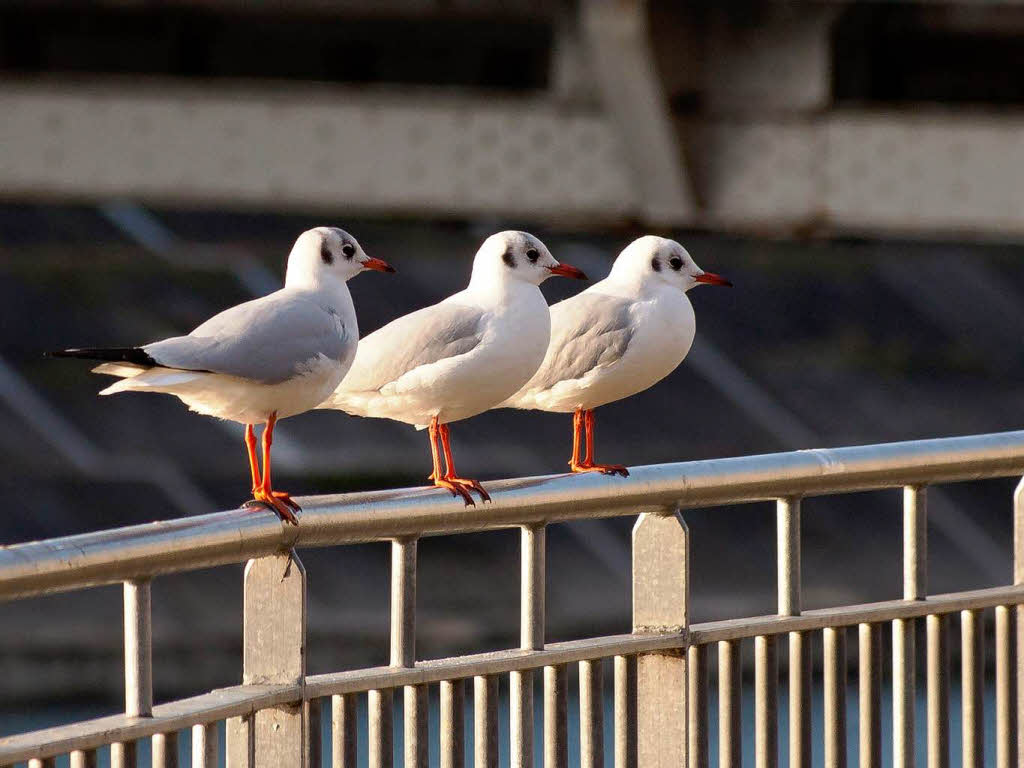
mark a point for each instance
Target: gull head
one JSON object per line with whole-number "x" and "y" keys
{"x": 328, "y": 253}
{"x": 518, "y": 256}
{"x": 652, "y": 260}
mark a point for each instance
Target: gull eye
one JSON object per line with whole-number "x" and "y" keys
{"x": 532, "y": 255}
{"x": 349, "y": 250}
{"x": 325, "y": 254}
{"x": 676, "y": 263}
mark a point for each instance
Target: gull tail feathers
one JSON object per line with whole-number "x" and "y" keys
{"x": 153, "y": 380}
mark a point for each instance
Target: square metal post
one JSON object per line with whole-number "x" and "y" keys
{"x": 274, "y": 654}
{"x": 661, "y": 565}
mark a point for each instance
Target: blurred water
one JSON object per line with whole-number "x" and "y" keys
{"x": 11, "y": 722}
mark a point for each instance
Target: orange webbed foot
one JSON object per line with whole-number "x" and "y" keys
{"x": 604, "y": 469}
{"x": 456, "y": 489}
{"x": 277, "y": 501}
{"x": 466, "y": 482}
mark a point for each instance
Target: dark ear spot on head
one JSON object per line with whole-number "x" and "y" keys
{"x": 656, "y": 264}
{"x": 676, "y": 263}
{"x": 325, "y": 254}
{"x": 509, "y": 259}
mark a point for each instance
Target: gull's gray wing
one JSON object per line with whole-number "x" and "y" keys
{"x": 426, "y": 336}
{"x": 270, "y": 339}
{"x": 588, "y": 331}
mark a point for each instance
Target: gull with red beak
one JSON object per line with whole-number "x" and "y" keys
{"x": 264, "y": 360}
{"x": 459, "y": 357}
{"x": 617, "y": 338}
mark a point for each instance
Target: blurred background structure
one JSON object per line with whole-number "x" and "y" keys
{"x": 853, "y": 167}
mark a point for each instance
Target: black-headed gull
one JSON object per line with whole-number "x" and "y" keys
{"x": 616, "y": 338}
{"x": 459, "y": 357}
{"x": 263, "y": 360}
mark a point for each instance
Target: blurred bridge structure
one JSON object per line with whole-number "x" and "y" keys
{"x": 760, "y": 116}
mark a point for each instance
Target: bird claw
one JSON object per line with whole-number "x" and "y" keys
{"x": 456, "y": 490}
{"x": 278, "y": 502}
{"x": 466, "y": 482}
{"x": 604, "y": 469}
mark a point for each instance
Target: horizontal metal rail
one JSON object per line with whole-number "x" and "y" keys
{"x": 243, "y": 700}
{"x": 142, "y": 551}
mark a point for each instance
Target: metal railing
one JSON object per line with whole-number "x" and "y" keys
{"x": 660, "y": 670}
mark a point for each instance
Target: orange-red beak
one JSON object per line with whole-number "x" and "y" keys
{"x": 378, "y": 264}
{"x": 568, "y": 270}
{"x": 712, "y": 279}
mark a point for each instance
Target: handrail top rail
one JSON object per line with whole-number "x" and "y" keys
{"x": 143, "y": 551}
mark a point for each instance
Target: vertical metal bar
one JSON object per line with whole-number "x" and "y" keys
{"x": 834, "y": 684}
{"x": 379, "y": 729}
{"x": 915, "y": 542}
{"x": 938, "y": 692}
{"x": 799, "y": 700}
{"x": 88, "y": 759}
{"x": 453, "y": 724}
{"x": 730, "y": 735}
{"x": 403, "y": 602}
{"x": 204, "y": 745}
{"x": 661, "y": 598}
{"x": 164, "y": 749}
{"x": 274, "y": 652}
{"x": 870, "y": 695}
{"x": 138, "y": 653}
{"x": 520, "y": 688}
{"x": 973, "y": 688}
{"x": 42, "y": 762}
{"x": 787, "y": 512}
{"x": 903, "y": 693}
{"x": 697, "y": 669}
{"x": 766, "y": 705}
{"x": 1018, "y": 578}
{"x": 556, "y": 745}
{"x": 531, "y": 603}
{"x": 1006, "y": 752}
{"x": 416, "y": 744}
{"x": 485, "y": 721}
{"x": 314, "y": 741}
{"x": 344, "y": 733}
{"x": 531, "y": 637}
{"x": 591, "y": 714}
{"x": 915, "y": 587}
{"x": 123, "y": 754}
{"x": 625, "y": 712}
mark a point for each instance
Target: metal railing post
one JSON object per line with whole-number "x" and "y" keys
{"x": 274, "y": 653}
{"x": 403, "y": 648}
{"x": 661, "y": 598}
{"x": 531, "y": 638}
{"x": 138, "y": 663}
{"x": 915, "y": 587}
{"x": 1018, "y": 578}
{"x": 787, "y": 513}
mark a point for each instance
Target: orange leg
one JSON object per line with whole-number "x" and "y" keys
{"x": 451, "y": 475}
{"x": 439, "y": 476}
{"x": 250, "y": 447}
{"x": 577, "y": 433}
{"x": 264, "y": 492}
{"x": 588, "y": 464}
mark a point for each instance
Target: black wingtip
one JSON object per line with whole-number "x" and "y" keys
{"x": 135, "y": 355}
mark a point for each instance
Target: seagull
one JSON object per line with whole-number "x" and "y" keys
{"x": 262, "y": 360}
{"x": 461, "y": 356}
{"x": 616, "y": 338}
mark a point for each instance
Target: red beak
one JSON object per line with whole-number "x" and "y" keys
{"x": 567, "y": 270}
{"x": 378, "y": 264}
{"x": 712, "y": 279}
